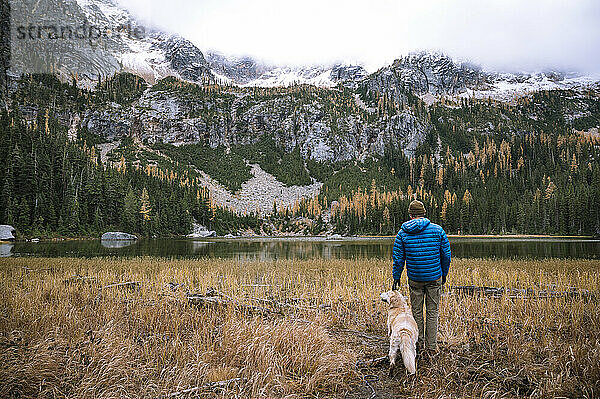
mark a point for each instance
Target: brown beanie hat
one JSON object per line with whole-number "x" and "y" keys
{"x": 416, "y": 209}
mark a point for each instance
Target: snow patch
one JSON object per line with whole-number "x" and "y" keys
{"x": 509, "y": 87}
{"x": 288, "y": 76}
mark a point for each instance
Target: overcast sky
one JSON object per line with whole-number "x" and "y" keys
{"x": 516, "y": 35}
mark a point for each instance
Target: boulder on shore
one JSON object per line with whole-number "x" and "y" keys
{"x": 7, "y": 232}
{"x": 203, "y": 234}
{"x": 117, "y": 235}
{"x": 199, "y": 231}
{"x": 335, "y": 237}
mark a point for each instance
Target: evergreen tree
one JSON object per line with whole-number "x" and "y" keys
{"x": 131, "y": 211}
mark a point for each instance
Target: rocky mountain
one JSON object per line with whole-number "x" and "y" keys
{"x": 94, "y": 39}
{"x": 114, "y": 41}
{"x": 246, "y": 71}
{"x": 240, "y": 70}
{"x": 117, "y": 42}
{"x": 146, "y": 52}
{"x": 426, "y": 72}
{"x": 433, "y": 75}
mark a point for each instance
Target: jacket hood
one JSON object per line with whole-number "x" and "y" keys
{"x": 415, "y": 226}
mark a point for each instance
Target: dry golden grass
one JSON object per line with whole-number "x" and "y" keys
{"x": 62, "y": 339}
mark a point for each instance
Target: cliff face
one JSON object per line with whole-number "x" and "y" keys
{"x": 236, "y": 117}
{"x": 93, "y": 39}
{"x": 421, "y": 73}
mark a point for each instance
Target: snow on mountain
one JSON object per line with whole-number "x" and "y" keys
{"x": 321, "y": 76}
{"x": 146, "y": 52}
{"x": 237, "y": 70}
{"x": 154, "y": 55}
{"x": 285, "y": 76}
{"x": 434, "y": 75}
{"x": 246, "y": 71}
{"x": 510, "y": 86}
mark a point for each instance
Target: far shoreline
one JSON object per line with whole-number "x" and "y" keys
{"x": 316, "y": 238}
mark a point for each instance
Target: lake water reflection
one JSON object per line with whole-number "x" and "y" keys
{"x": 303, "y": 248}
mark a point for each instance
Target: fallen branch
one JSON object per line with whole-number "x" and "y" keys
{"x": 132, "y": 285}
{"x": 79, "y": 279}
{"x": 283, "y": 304}
{"x": 129, "y": 284}
{"x": 175, "y": 286}
{"x": 217, "y": 298}
{"x": 256, "y": 285}
{"x": 41, "y": 269}
{"x": 529, "y": 293}
{"x": 210, "y": 385}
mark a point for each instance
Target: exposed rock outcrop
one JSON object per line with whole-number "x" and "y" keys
{"x": 115, "y": 42}
{"x": 199, "y": 231}
{"x": 177, "y": 118}
{"x": 424, "y": 72}
{"x": 185, "y": 58}
{"x": 117, "y": 235}
{"x": 348, "y": 75}
{"x": 240, "y": 70}
{"x": 7, "y": 232}
{"x": 246, "y": 71}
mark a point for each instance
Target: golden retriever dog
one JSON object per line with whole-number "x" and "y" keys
{"x": 402, "y": 329}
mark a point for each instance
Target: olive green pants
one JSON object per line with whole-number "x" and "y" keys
{"x": 430, "y": 293}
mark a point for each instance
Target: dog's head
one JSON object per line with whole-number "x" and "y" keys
{"x": 395, "y": 299}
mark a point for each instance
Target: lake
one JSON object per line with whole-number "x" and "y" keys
{"x": 303, "y": 248}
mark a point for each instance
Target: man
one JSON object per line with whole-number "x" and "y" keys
{"x": 425, "y": 248}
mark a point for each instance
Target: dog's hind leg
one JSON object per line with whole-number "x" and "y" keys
{"x": 409, "y": 355}
{"x": 393, "y": 354}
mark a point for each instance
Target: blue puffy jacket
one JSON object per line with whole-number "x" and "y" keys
{"x": 424, "y": 247}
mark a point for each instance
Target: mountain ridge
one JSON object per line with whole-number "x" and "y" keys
{"x": 158, "y": 54}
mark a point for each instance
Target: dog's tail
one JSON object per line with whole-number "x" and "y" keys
{"x": 409, "y": 354}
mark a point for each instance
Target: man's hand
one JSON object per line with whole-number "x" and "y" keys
{"x": 443, "y": 280}
{"x": 395, "y": 285}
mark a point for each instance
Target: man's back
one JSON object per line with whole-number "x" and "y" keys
{"x": 424, "y": 247}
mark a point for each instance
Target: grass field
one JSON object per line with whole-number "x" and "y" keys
{"x": 312, "y": 329}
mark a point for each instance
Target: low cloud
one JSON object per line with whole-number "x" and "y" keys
{"x": 507, "y": 35}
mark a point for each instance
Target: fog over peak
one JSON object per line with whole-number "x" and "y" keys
{"x": 505, "y": 35}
